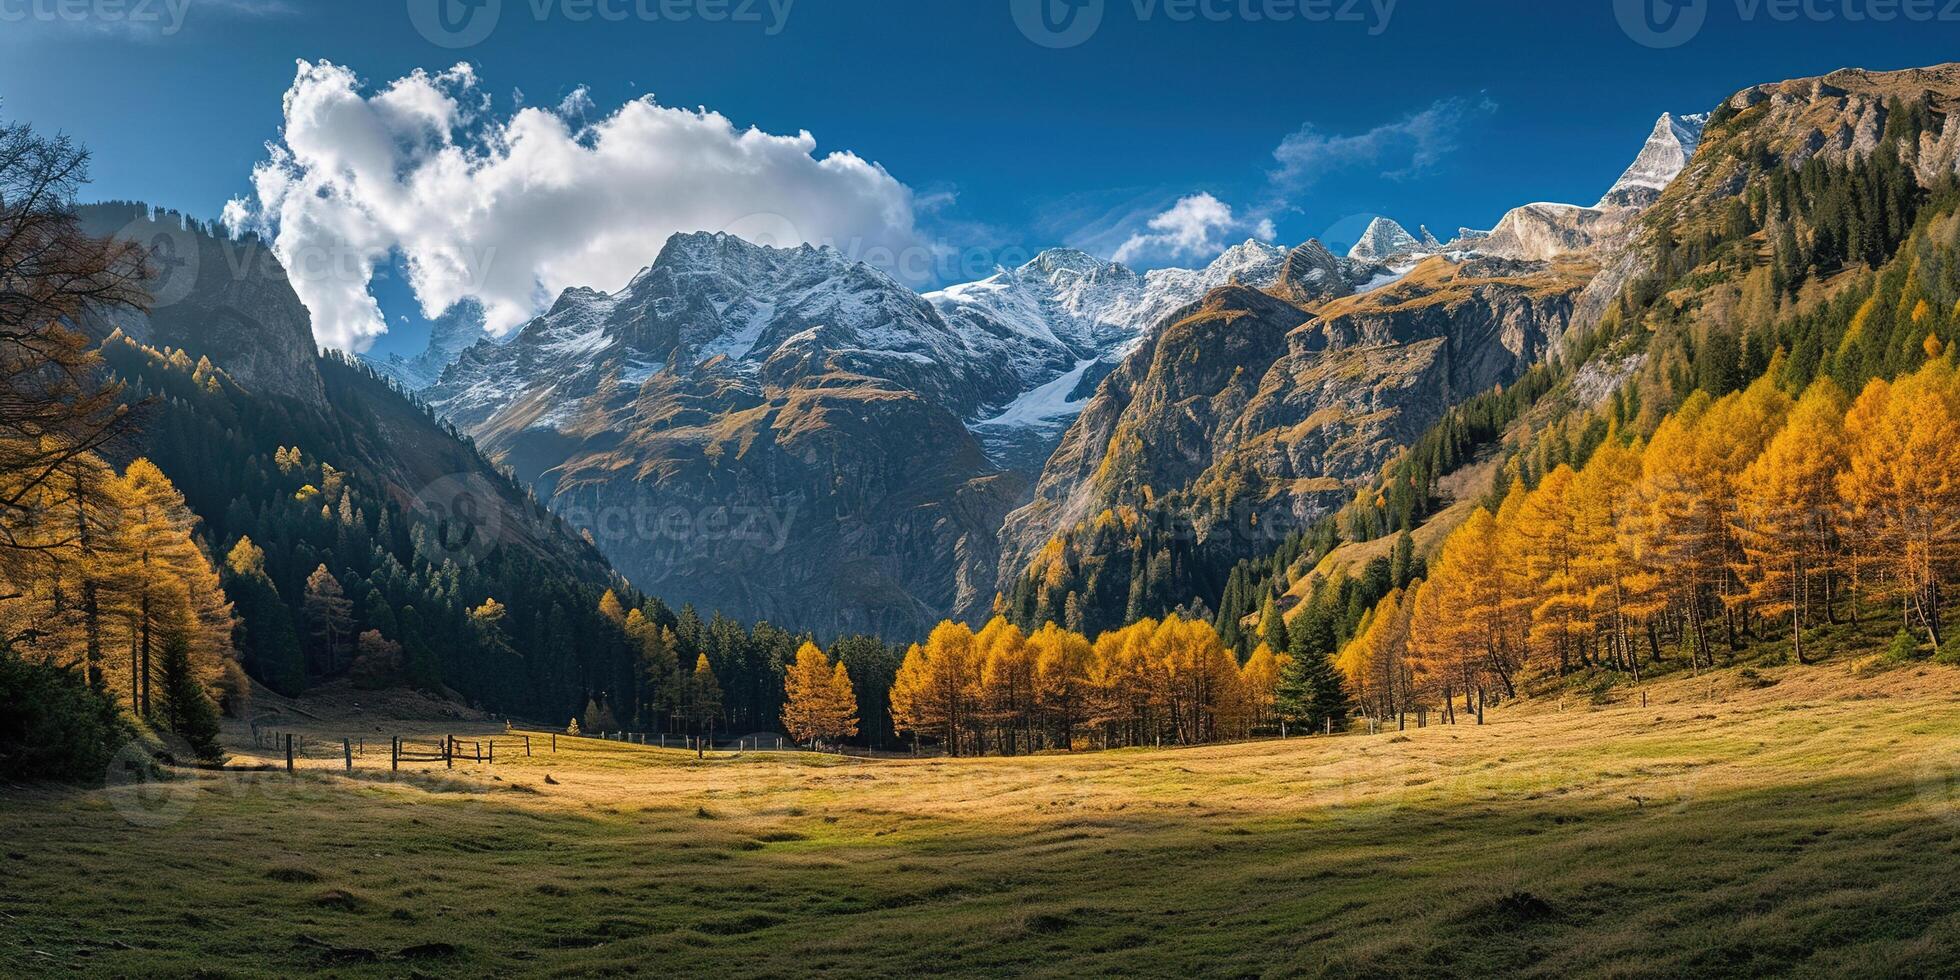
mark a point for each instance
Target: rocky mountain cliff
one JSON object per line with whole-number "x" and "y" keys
{"x": 774, "y": 433}
{"x": 1669, "y": 148}
{"x": 218, "y": 296}
{"x": 1254, "y": 412}
{"x": 1249, "y": 416}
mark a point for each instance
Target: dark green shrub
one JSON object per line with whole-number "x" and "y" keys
{"x": 53, "y": 724}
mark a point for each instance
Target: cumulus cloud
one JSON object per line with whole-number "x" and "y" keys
{"x": 510, "y": 211}
{"x": 1402, "y": 149}
{"x": 1197, "y": 226}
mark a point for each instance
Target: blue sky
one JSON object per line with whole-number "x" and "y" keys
{"x": 1448, "y": 113}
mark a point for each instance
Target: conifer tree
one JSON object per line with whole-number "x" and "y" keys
{"x": 1311, "y": 693}
{"x": 187, "y": 711}
{"x": 329, "y": 617}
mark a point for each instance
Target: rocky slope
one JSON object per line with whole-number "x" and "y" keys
{"x": 1075, "y": 317}
{"x": 1249, "y": 416}
{"x": 229, "y": 301}
{"x": 217, "y": 296}
{"x": 1255, "y": 412}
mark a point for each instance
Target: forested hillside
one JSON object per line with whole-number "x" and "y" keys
{"x": 1766, "y": 469}
{"x": 194, "y": 495}
{"x": 1745, "y": 441}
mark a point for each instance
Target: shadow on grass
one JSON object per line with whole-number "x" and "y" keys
{"x": 1839, "y": 874}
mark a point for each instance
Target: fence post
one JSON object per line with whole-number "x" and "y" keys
{"x": 289, "y": 755}
{"x": 493, "y": 751}
{"x": 449, "y": 751}
{"x": 395, "y": 753}
{"x": 479, "y": 751}
{"x": 527, "y": 746}
{"x": 347, "y": 752}
{"x": 554, "y": 743}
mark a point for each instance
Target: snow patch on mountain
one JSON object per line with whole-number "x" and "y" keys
{"x": 1047, "y": 405}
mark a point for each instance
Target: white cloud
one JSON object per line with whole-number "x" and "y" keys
{"x": 1402, "y": 149}
{"x": 1197, "y": 226}
{"x": 1200, "y": 226}
{"x": 513, "y": 210}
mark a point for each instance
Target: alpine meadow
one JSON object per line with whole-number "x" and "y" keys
{"x": 465, "y": 513}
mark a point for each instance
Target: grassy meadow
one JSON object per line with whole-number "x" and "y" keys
{"x": 1800, "y": 820}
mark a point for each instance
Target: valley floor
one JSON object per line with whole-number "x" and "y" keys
{"x": 1803, "y": 820}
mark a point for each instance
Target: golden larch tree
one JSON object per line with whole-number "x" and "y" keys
{"x": 820, "y": 704}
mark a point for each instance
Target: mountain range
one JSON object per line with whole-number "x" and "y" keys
{"x": 792, "y": 435}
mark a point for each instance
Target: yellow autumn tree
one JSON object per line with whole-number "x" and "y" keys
{"x": 168, "y": 584}
{"x": 1007, "y": 683}
{"x": 819, "y": 705}
{"x": 935, "y": 688}
{"x": 1547, "y": 546}
{"x": 1259, "y": 680}
{"x": 1788, "y": 512}
{"x": 1622, "y": 589}
{"x": 1901, "y": 488}
{"x": 1062, "y": 661}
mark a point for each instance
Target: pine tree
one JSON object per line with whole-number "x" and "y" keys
{"x": 1311, "y": 693}
{"x": 329, "y": 617}
{"x": 186, "y": 709}
{"x": 264, "y": 634}
{"x": 1272, "y": 626}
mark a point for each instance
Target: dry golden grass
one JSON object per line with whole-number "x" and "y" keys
{"x": 1793, "y": 820}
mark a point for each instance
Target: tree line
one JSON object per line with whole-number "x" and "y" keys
{"x": 1156, "y": 681}
{"x": 106, "y": 596}
{"x": 1751, "y": 518}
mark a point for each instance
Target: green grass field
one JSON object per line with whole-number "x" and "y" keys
{"x": 1801, "y": 820}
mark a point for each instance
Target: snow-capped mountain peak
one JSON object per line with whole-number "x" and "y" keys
{"x": 1669, "y": 148}
{"x": 1385, "y": 239}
